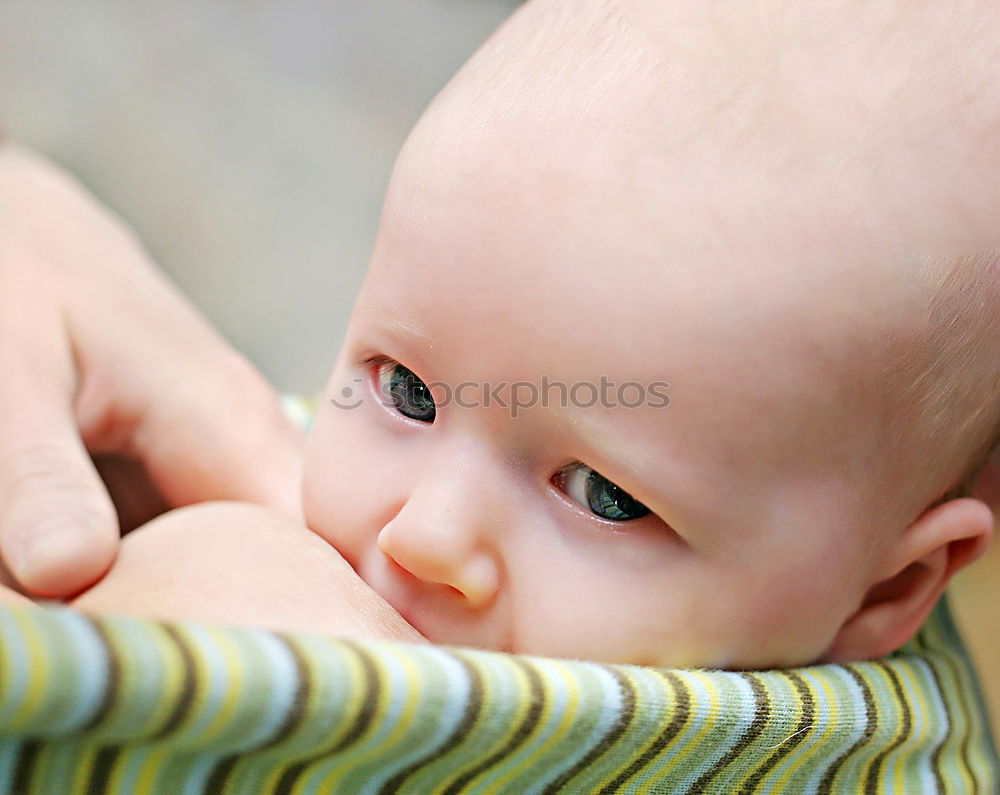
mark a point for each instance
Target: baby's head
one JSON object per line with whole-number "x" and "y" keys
{"x": 601, "y": 204}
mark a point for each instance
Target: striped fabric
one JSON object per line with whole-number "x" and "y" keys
{"x": 124, "y": 705}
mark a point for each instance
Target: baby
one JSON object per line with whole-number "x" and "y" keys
{"x": 760, "y": 237}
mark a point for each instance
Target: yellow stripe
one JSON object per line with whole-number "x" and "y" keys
{"x": 145, "y": 781}
{"x": 907, "y": 676}
{"x": 620, "y": 742}
{"x": 946, "y": 667}
{"x": 173, "y": 678}
{"x": 352, "y": 691}
{"x": 832, "y": 712}
{"x": 232, "y": 687}
{"x": 885, "y": 698}
{"x": 568, "y": 716}
{"x": 133, "y": 676}
{"x": 38, "y": 669}
{"x": 709, "y": 721}
{"x": 146, "y": 778}
{"x": 171, "y": 674}
{"x": 762, "y": 755}
{"x": 523, "y": 689}
{"x": 84, "y": 764}
{"x": 350, "y": 761}
{"x": 402, "y": 721}
{"x": 962, "y": 721}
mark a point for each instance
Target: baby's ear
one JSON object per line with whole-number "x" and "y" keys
{"x": 917, "y": 568}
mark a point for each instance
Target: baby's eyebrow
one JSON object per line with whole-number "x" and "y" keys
{"x": 649, "y": 466}
{"x": 606, "y": 444}
{"x": 407, "y": 329}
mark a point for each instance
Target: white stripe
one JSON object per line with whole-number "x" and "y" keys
{"x": 848, "y": 739}
{"x": 89, "y": 671}
{"x": 457, "y": 691}
{"x": 746, "y": 711}
{"x": 609, "y": 710}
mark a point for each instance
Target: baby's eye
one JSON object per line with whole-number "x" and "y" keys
{"x": 594, "y": 491}
{"x": 400, "y": 388}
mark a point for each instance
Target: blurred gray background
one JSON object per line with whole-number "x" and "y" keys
{"x": 248, "y": 142}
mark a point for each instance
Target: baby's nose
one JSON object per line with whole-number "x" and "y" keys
{"x": 447, "y": 533}
{"x": 435, "y": 558}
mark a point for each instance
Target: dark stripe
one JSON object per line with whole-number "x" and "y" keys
{"x": 26, "y": 756}
{"x": 620, "y": 725}
{"x": 806, "y": 721}
{"x": 871, "y": 725}
{"x": 536, "y": 700}
{"x": 762, "y": 711}
{"x": 974, "y": 711}
{"x": 100, "y": 772}
{"x": 293, "y": 718}
{"x": 871, "y": 780}
{"x": 189, "y": 685}
{"x": 473, "y": 706}
{"x": 21, "y": 776}
{"x": 114, "y": 674}
{"x": 969, "y": 717}
{"x": 928, "y": 656}
{"x": 682, "y": 702}
{"x": 366, "y": 713}
{"x": 104, "y": 758}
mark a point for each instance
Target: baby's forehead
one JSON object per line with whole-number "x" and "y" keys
{"x": 747, "y": 329}
{"x": 678, "y": 109}
{"x": 581, "y": 201}
{"x": 762, "y": 379}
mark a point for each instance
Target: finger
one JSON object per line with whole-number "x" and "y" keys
{"x": 226, "y": 438}
{"x": 175, "y": 396}
{"x": 58, "y": 531}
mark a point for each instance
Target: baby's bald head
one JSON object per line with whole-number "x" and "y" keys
{"x": 948, "y": 374}
{"x": 767, "y": 144}
{"x": 782, "y": 212}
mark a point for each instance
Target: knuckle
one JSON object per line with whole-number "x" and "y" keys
{"x": 44, "y": 472}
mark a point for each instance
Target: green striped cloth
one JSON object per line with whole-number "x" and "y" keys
{"x": 125, "y": 705}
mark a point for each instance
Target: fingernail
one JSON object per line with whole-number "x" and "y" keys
{"x": 57, "y": 558}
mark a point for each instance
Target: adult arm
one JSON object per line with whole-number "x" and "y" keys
{"x": 101, "y": 355}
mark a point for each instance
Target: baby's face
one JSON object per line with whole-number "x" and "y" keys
{"x": 720, "y": 529}
{"x": 734, "y": 518}
{"x": 728, "y": 528}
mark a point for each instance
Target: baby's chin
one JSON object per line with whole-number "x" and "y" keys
{"x": 444, "y": 620}
{"x": 680, "y": 653}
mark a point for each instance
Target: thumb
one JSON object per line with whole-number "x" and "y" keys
{"x": 58, "y": 529}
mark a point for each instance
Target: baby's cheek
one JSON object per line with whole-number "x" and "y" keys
{"x": 793, "y": 620}
{"x": 327, "y": 504}
{"x": 345, "y": 486}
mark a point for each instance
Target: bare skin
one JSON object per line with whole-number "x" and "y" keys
{"x": 103, "y": 357}
{"x": 535, "y": 228}
{"x": 771, "y": 278}
{"x": 547, "y": 233}
{"x": 249, "y": 564}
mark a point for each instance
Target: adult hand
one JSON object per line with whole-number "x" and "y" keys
{"x": 100, "y": 355}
